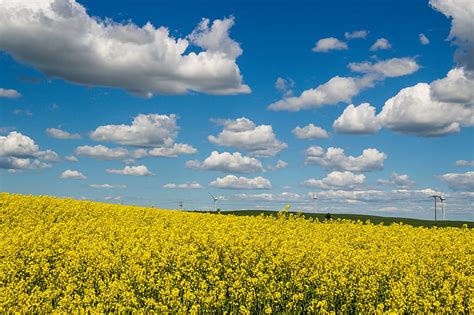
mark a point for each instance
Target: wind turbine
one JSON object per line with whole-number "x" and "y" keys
{"x": 214, "y": 199}
{"x": 315, "y": 199}
{"x": 435, "y": 198}
{"x": 442, "y": 199}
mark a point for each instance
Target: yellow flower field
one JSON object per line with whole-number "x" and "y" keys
{"x": 66, "y": 255}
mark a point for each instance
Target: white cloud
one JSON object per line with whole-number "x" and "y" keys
{"x": 335, "y": 159}
{"x": 61, "y": 134}
{"x": 71, "y": 158}
{"x": 139, "y": 170}
{"x": 459, "y": 181}
{"x": 18, "y": 151}
{"x": 234, "y": 182}
{"x": 281, "y": 197}
{"x": 423, "y": 39}
{"x": 9, "y": 93}
{"x": 102, "y": 152}
{"x": 280, "y": 164}
{"x": 18, "y": 145}
{"x": 242, "y": 133}
{"x": 356, "y": 34}
{"x": 447, "y": 104}
{"x": 285, "y": 86}
{"x": 107, "y": 186}
{"x": 330, "y": 43}
{"x": 462, "y": 15}
{"x": 381, "y": 44}
{"x": 48, "y": 155}
{"x": 310, "y": 132}
{"x": 456, "y": 87}
{"x": 23, "y": 112}
{"x": 72, "y": 174}
{"x": 336, "y": 180}
{"x": 357, "y": 120}
{"x": 464, "y": 163}
{"x": 192, "y": 185}
{"x": 173, "y": 151}
{"x": 142, "y": 60}
{"x": 112, "y": 198}
{"x": 389, "y": 68}
{"x": 227, "y": 162}
{"x": 343, "y": 89}
{"x": 13, "y": 164}
{"x": 336, "y": 90}
{"x": 414, "y": 111}
{"x": 151, "y": 130}
{"x": 398, "y": 180}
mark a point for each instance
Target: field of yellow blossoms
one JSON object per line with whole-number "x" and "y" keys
{"x": 66, "y": 255}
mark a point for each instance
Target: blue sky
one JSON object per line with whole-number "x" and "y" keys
{"x": 247, "y": 77}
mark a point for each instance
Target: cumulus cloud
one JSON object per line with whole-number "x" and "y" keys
{"x": 107, "y": 186}
{"x": 336, "y": 180}
{"x": 227, "y": 162}
{"x": 173, "y": 151}
{"x": 48, "y": 155}
{"x": 18, "y": 152}
{"x": 234, "y": 182}
{"x": 16, "y": 144}
{"x": 390, "y": 68}
{"x": 335, "y": 159}
{"x": 464, "y": 163}
{"x": 456, "y": 87}
{"x": 59, "y": 38}
{"x": 72, "y": 174}
{"x": 281, "y": 197}
{"x": 381, "y": 44}
{"x": 23, "y": 112}
{"x": 61, "y": 134}
{"x": 13, "y": 164}
{"x": 356, "y": 34}
{"x": 310, "y": 132}
{"x": 71, "y": 158}
{"x": 192, "y": 185}
{"x": 139, "y": 170}
{"x": 398, "y": 180}
{"x": 423, "y": 39}
{"x": 151, "y": 130}
{"x": 336, "y": 90}
{"x": 414, "y": 111}
{"x": 459, "y": 181}
{"x": 461, "y": 13}
{"x": 357, "y": 120}
{"x": 280, "y": 164}
{"x": 330, "y": 43}
{"x": 9, "y": 93}
{"x": 285, "y": 86}
{"x": 343, "y": 89}
{"x": 242, "y": 133}
{"x": 102, "y": 152}
{"x": 444, "y": 106}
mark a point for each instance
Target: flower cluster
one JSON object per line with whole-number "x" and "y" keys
{"x": 66, "y": 255}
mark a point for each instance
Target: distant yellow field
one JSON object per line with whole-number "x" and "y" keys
{"x": 67, "y": 255}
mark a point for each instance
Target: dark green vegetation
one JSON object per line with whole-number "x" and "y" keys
{"x": 374, "y": 219}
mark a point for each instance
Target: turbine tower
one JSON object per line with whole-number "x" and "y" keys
{"x": 435, "y": 198}
{"x": 315, "y": 199}
{"x": 215, "y": 200}
{"x": 442, "y": 199}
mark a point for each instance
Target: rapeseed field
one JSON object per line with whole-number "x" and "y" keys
{"x": 63, "y": 255}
